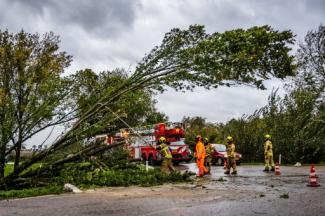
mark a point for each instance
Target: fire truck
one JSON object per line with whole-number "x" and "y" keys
{"x": 141, "y": 142}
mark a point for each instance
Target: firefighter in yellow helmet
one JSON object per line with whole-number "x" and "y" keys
{"x": 208, "y": 157}
{"x": 167, "y": 163}
{"x": 231, "y": 161}
{"x": 200, "y": 156}
{"x": 268, "y": 153}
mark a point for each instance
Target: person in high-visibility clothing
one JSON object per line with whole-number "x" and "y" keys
{"x": 200, "y": 156}
{"x": 208, "y": 157}
{"x": 231, "y": 161}
{"x": 268, "y": 153}
{"x": 167, "y": 163}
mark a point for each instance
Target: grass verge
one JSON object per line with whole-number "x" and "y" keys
{"x": 30, "y": 192}
{"x": 9, "y": 168}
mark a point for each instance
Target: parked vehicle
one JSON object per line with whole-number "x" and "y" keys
{"x": 220, "y": 155}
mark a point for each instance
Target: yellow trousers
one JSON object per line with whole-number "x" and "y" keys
{"x": 208, "y": 163}
{"x": 167, "y": 165}
{"x": 231, "y": 163}
{"x": 269, "y": 163}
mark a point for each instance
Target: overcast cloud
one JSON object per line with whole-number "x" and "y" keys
{"x": 105, "y": 34}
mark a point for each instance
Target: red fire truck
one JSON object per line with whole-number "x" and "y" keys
{"x": 141, "y": 142}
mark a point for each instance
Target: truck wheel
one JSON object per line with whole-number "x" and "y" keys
{"x": 176, "y": 163}
{"x": 144, "y": 158}
{"x": 220, "y": 161}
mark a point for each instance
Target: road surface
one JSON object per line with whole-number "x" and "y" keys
{"x": 251, "y": 192}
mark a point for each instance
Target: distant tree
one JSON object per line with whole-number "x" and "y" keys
{"x": 311, "y": 60}
{"x": 199, "y": 126}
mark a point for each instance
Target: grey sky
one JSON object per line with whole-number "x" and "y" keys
{"x": 105, "y": 34}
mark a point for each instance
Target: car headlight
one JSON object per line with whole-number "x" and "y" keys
{"x": 183, "y": 149}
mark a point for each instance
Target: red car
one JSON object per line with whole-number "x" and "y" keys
{"x": 220, "y": 155}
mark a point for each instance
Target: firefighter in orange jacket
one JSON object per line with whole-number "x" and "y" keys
{"x": 200, "y": 156}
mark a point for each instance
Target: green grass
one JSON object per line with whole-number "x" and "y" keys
{"x": 10, "y": 168}
{"x": 31, "y": 192}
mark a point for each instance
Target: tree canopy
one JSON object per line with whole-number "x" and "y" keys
{"x": 31, "y": 89}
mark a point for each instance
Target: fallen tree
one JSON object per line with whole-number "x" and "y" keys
{"x": 184, "y": 60}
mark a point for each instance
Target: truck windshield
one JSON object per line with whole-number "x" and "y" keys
{"x": 181, "y": 142}
{"x": 220, "y": 148}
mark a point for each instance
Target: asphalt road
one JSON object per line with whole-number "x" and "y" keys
{"x": 251, "y": 192}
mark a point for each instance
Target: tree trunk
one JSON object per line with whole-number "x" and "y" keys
{"x": 2, "y": 166}
{"x": 2, "y": 161}
{"x": 18, "y": 149}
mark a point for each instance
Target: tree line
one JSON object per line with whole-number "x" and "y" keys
{"x": 296, "y": 120}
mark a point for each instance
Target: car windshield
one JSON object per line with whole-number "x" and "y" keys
{"x": 181, "y": 142}
{"x": 220, "y": 148}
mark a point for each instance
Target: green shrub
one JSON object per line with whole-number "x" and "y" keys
{"x": 86, "y": 175}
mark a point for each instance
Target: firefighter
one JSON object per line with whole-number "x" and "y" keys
{"x": 167, "y": 163}
{"x": 200, "y": 156}
{"x": 208, "y": 157}
{"x": 231, "y": 161}
{"x": 268, "y": 153}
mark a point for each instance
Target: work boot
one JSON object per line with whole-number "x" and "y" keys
{"x": 234, "y": 173}
{"x": 227, "y": 172}
{"x": 266, "y": 170}
{"x": 272, "y": 170}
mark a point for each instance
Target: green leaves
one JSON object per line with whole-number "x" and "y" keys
{"x": 189, "y": 58}
{"x": 136, "y": 107}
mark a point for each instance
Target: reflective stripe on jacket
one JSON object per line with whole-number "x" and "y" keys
{"x": 268, "y": 148}
{"x": 209, "y": 150}
{"x": 165, "y": 151}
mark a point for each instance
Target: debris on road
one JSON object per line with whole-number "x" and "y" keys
{"x": 285, "y": 196}
{"x": 71, "y": 188}
{"x": 297, "y": 164}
